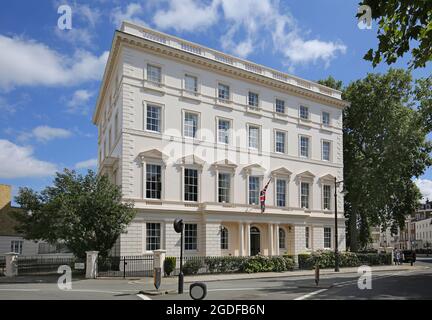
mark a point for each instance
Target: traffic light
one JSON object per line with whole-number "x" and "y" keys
{"x": 178, "y": 225}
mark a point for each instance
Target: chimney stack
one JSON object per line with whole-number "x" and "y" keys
{"x": 5, "y": 195}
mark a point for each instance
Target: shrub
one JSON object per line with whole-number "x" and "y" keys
{"x": 223, "y": 264}
{"x": 169, "y": 265}
{"x": 326, "y": 259}
{"x": 192, "y": 266}
{"x": 267, "y": 264}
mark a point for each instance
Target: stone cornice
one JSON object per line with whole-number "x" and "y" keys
{"x": 134, "y": 41}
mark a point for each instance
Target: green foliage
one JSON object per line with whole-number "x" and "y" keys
{"x": 401, "y": 24}
{"x": 169, "y": 265}
{"x": 192, "y": 266}
{"x": 84, "y": 212}
{"x": 326, "y": 259}
{"x": 331, "y": 83}
{"x": 385, "y": 146}
{"x": 223, "y": 264}
{"x": 267, "y": 264}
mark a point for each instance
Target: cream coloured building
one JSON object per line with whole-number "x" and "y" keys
{"x": 191, "y": 132}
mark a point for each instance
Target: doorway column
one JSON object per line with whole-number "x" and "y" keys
{"x": 241, "y": 239}
{"x": 276, "y": 237}
{"x": 271, "y": 240}
{"x": 248, "y": 240}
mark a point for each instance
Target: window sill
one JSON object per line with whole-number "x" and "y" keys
{"x": 191, "y": 95}
{"x": 280, "y": 116}
{"x": 154, "y": 86}
{"x": 305, "y": 122}
{"x": 253, "y": 110}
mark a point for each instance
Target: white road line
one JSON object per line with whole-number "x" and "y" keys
{"x": 144, "y": 297}
{"x": 29, "y": 290}
{"x": 248, "y": 289}
{"x": 306, "y": 296}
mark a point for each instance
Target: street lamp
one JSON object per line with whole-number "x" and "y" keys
{"x": 179, "y": 227}
{"x": 336, "y": 184}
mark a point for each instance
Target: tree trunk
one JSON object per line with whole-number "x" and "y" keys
{"x": 353, "y": 231}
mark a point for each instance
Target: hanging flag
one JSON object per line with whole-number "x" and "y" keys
{"x": 263, "y": 196}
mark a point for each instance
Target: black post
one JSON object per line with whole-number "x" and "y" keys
{"x": 181, "y": 276}
{"x": 124, "y": 267}
{"x": 336, "y": 229}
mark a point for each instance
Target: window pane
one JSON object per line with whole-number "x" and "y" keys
{"x": 326, "y": 118}
{"x": 304, "y": 112}
{"x": 224, "y": 238}
{"x": 326, "y": 197}
{"x": 304, "y": 195}
{"x": 326, "y": 150}
{"x": 280, "y": 106}
{"x": 223, "y": 131}
{"x": 282, "y": 239}
{"x": 304, "y": 146}
{"x": 327, "y": 237}
{"x": 280, "y": 193}
{"x": 153, "y": 118}
{"x": 254, "y": 190}
{"x": 190, "y": 184}
{"x": 190, "y": 236}
{"x": 223, "y": 91}
{"x": 191, "y": 83}
{"x": 280, "y": 141}
{"x": 153, "y": 236}
{"x": 253, "y": 137}
{"x": 190, "y": 124}
{"x": 307, "y": 236}
{"x": 154, "y": 73}
{"x": 153, "y": 181}
{"x": 224, "y": 185}
{"x": 253, "y": 99}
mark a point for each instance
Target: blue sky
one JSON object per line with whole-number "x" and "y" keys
{"x": 49, "y": 78}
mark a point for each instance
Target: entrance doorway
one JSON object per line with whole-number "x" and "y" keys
{"x": 254, "y": 241}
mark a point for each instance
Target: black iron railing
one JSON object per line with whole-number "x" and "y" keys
{"x": 40, "y": 265}
{"x": 126, "y": 266}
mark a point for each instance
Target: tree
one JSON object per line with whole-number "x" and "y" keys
{"x": 85, "y": 212}
{"x": 401, "y": 24}
{"x": 331, "y": 83}
{"x": 384, "y": 148}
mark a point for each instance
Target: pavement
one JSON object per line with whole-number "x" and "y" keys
{"x": 396, "y": 282}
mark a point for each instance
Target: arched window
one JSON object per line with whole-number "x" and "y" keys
{"x": 224, "y": 238}
{"x": 282, "y": 239}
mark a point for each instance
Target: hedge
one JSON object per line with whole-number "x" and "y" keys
{"x": 326, "y": 259}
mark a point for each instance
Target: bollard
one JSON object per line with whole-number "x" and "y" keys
{"x": 317, "y": 274}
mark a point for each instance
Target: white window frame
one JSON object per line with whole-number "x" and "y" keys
{"x": 230, "y": 131}
{"x": 198, "y": 129}
{"x": 279, "y": 239}
{"x": 162, "y": 116}
{"x": 229, "y": 93}
{"x": 329, "y": 118}
{"x": 275, "y": 106}
{"x": 327, "y": 183}
{"x": 145, "y": 179}
{"x": 254, "y": 92}
{"x": 308, "y": 112}
{"x": 196, "y": 238}
{"x": 276, "y": 193}
{"x": 231, "y": 181}
{"x": 285, "y": 133}
{"x": 309, "y": 146}
{"x": 198, "y": 169}
{"x": 158, "y": 65}
{"x": 330, "y": 150}
{"x": 198, "y": 87}
{"x": 226, "y": 238}
{"x": 146, "y": 235}
{"x": 308, "y": 237}
{"x": 260, "y": 178}
{"x": 324, "y": 237}
{"x": 17, "y": 243}
{"x": 248, "y": 125}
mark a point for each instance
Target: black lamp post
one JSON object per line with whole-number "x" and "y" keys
{"x": 178, "y": 227}
{"x": 336, "y": 184}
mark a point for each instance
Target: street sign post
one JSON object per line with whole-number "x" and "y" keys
{"x": 157, "y": 276}
{"x": 178, "y": 227}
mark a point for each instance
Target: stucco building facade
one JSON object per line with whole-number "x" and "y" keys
{"x": 191, "y": 132}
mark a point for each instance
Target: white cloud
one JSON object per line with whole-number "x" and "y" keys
{"x": 79, "y": 101}
{"x": 187, "y": 15}
{"x": 131, "y": 13}
{"x": 45, "y": 134}
{"x": 19, "y": 162}
{"x": 87, "y": 164}
{"x": 425, "y": 186}
{"x": 27, "y": 62}
{"x": 250, "y": 25}
{"x": 76, "y": 36}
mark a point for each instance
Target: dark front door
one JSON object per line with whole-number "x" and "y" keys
{"x": 254, "y": 241}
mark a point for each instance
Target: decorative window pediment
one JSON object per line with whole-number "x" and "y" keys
{"x": 254, "y": 170}
{"x": 327, "y": 178}
{"x": 281, "y": 172}
{"x": 153, "y": 154}
{"x": 224, "y": 164}
{"x": 305, "y": 175}
{"x": 191, "y": 160}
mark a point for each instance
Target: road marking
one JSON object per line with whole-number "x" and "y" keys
{"x": 306, "y": 296}
{"x": 144, "y": 297}
{"x": 29, "y": 290}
